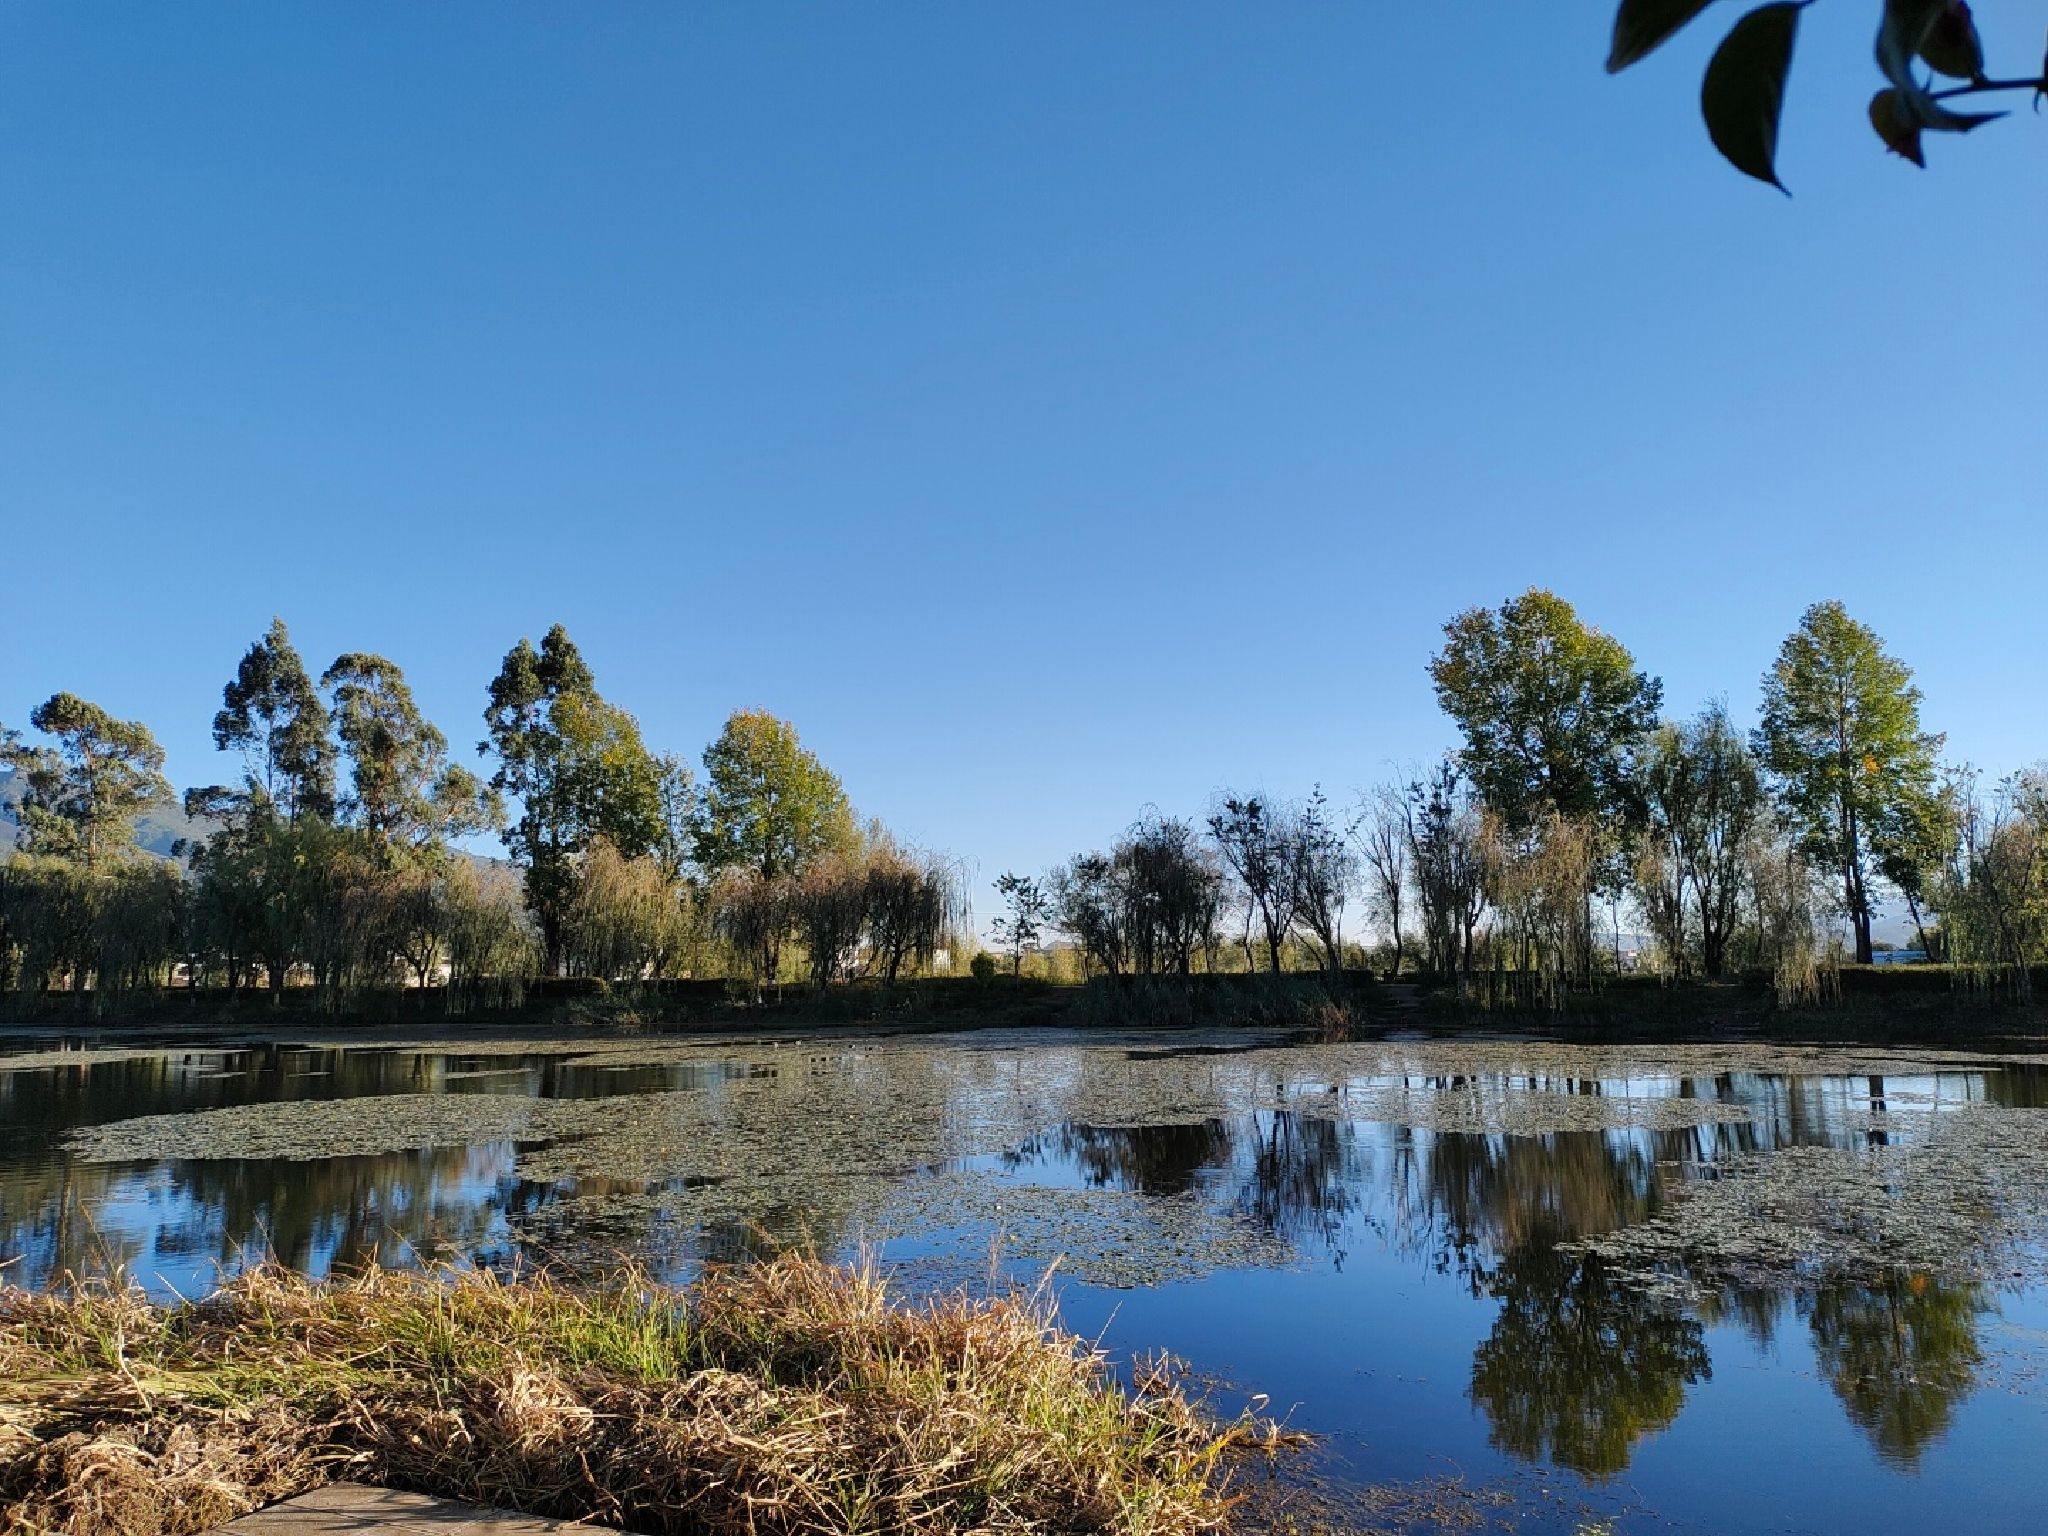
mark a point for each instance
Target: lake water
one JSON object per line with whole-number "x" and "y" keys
{"x": 1380, "y": 1239}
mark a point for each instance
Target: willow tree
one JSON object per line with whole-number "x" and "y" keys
{"x": 915, "y": 906}
{"x": 1841, "y": 735}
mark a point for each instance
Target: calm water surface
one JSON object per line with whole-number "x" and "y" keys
{"x": 1425, "y": 1324}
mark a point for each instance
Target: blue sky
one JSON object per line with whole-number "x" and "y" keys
{"x": 1052, "y": 408}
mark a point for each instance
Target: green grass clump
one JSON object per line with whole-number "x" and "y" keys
{"x": 787, "y": 1396}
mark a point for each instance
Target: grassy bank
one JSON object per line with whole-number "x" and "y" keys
{"x": 1904, "y": 1005}
{"x": 1884, "y": 1005}
{"x": 789, "y": 1396}
{"x": 572, "y": 1004}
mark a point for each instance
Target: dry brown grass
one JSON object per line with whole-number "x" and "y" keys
{"x": 781, "y": 1397}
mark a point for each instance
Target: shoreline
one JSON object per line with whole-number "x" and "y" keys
{"x": 1679, "y": 1016}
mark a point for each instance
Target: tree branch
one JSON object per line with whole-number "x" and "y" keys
{"x": 1981, "y": 87}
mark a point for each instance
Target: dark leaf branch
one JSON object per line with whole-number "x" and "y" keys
{"x": 1742, "y": 96}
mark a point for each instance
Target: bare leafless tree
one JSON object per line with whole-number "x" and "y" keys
{"x": 1383, "y": 833}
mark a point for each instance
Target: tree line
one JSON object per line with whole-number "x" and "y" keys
{"x": 335, "y": 860}
{"x": 1574, "y": 805}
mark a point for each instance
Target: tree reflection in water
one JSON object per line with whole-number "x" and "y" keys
{"x": 1296, "y": 1176}
{"x": 1578, "y": 1368}
{"x": 1901, "y": 1356}
{"x": 193, "y": 1221}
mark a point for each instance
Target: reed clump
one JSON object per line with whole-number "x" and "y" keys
{"x": 781, "y": 1397}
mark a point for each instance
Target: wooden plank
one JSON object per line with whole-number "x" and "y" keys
{"x": 354, "y": 1509}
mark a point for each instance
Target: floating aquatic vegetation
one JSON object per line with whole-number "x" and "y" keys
{"x": 311, "y": 1129}
{"x": 1962, "y": 1196}
{"x": 838, "y": 1138}
{"x": 882, "y": 1106}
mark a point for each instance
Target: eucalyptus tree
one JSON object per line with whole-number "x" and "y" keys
{"x": 675, "y": 813}
{"x": 251, "y": 872}
{"x": 272, "y": 713}
{"x": 404, "y": 795}
{"x": 577, "y": 768}
{"x": 1447, "y": 846}
{"x": 83, "y": 793}
{"x": 1840, "y": 734}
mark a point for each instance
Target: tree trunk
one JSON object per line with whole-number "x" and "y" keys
{"x": 1913, "y": 907}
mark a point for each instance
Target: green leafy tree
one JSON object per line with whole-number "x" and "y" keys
{"x": 769, "y": 805}
{"x": 1027, "y": 912}
{"x": 1550, "y": 709}
{"x": 404, "y": 795}
{"x": 1743, "y": 95}
{"x": 1841, "y": 735}
{"x": 1705, "y": 801}
{"x": 272, "y": 714}
{"x": 82, "y": 796}
{"x": 676, "y": 810}
{"x": 580, "y": 773}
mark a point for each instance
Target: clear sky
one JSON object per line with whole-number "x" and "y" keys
{"x": 1052, "y": 408}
